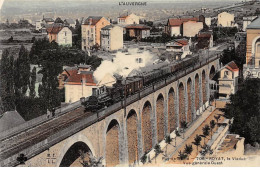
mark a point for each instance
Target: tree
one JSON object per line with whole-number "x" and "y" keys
{"x": 197, "y": 141}
{"x": 22, "y": 73}
{"x": 188, "y": 149}
{"x": 184, "y": 126}
{"x": 7, "y": 81}
{"x": 182, "y": 155}
{"x": 144, "y": 158}
{"x": 217, "y": 118}
{"x": 206, "y": 149}
{"x": 91, "y": 161}
{"x": 168, "y": 141}
{"x": 157, "y": 150}
{"x": 244, "y": 108}
{"x": 32, "y": 83}
{"x": 177, "y": 134}
{"x": 212, "y": 126}
{"x": 205, "y": 130}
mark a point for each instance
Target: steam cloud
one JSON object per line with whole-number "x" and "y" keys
{"x": 124, "y": 63}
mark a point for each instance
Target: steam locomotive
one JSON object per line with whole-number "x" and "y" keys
{"x": 106, "y": 96}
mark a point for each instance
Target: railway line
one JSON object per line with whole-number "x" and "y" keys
{"x": 32, "y": 136}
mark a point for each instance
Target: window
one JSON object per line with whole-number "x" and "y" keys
{"x": 88, "y": 32}
{"x": 91, "y": 30}
{"x": 65, "y": 33}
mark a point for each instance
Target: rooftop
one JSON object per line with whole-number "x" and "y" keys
{"x": 55, "y": 28}
{"x": 92, "y": 20}
{"x": 255, "y": 24}
{"x": 179, "y": 21}
{"x": 137, "y": 26}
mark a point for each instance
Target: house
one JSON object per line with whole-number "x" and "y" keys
{"x": 174, "y": 25}
{"x": 138, "y": 31}
{"x": 247, "y": 21}
{"x": 78, "y": 82}
{"x": 91, "y": 29}
{"x": 38, "y": 25}
{"x": 59, "y": 33}
{"x": 226, "y": 20}
{"x": 204, "y": 40}
{"x": 181, "y": 46}
{"x": 43, "y": 23}
{"x": 192, "y": 28}
{"x": 70, "y": 22}
{"x": 228, "y": 80}
{"x": 111, "y": 38}
{"x": 47, "y": 21}
{"x": 252, "y": 66}
{"x": 126, "y": 19}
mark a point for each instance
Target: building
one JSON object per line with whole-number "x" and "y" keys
{"x": 226, "y": 20}
{"x": 208, "y": 21}
{"x": 251, "y": 68}
{"x": 91, "y": 29}
{"x": 78, "y": 82}
{"x": 247, "y": 21}
{"x": 174, "y": 25}
{"x": 204, "y": 40}
{"x": 138, "y": 31}
{"x": 228, "y": 80}
{"x": 126, "y": 19}
{"x": 43, "y": 23}
{"x": 232, "y": 145}
{"x": 70, "y": 22}
{"x": 192, "y": 28}
{"x": 47, "y": 21}
{"x": 111, "y": 38}
{"x": 180, "y": 46}
{"x": 59, "y": 33}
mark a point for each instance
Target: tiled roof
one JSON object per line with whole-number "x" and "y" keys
{"x": 123, "y": 16}
{"x": 77, "y": 77}
{"x": 178, "y": 21}
{"x": 232, "y": 66}
{"x": 137, "y": 26}
{"x": 204, "y": 35}
{"x": 178, "y": 42}
{"x": 92, "y": 20}
{"x": 55, "y": 28}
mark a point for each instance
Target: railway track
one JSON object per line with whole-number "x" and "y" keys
{"x": 28, "y": 138}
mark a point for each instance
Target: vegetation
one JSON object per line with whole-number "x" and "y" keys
{"x": 182, "y": 155}
{"x": 205, "y": 130}
{"x": 17, "y": 79}
{"x": 188, "y": 150}
{"x": 157, "y": 150}
{"x": 168, "y": 141}
{"x": 220, "y": 34}
{"x": 206, "y": 150}
{"x": 197, "y": 141}
{"x": 245, "y": 109}
{"x": 212, "y": 126}
{"x": 184, "y": 126}
{"x": 177, "y": 134}
{"x": 144, "y": 158}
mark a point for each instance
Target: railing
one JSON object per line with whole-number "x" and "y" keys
{"x": 94, "y": 117}
{"x": 39, "y": 120}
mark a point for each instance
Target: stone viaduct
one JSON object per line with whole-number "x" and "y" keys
{"x": 132, "y": 128}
